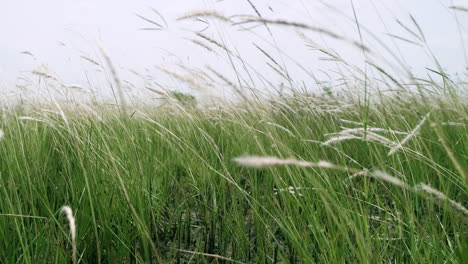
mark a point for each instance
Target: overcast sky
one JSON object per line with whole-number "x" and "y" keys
{"x": 58, "y": 32}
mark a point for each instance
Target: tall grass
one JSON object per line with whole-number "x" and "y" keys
{"x": 270, "y": 177}
{"x": 163, "y": 185}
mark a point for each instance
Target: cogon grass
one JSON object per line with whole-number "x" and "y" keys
{"x": 160, "y": 186}
{"x": 164, "y": 181}
{"x": 265, "y": 162}
{"x": 409, "y": 136}
{"x": 68, "y": 212}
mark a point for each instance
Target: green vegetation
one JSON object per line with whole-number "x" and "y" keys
{"x": 372, "y": 169}
{"x": 162, "y": 185}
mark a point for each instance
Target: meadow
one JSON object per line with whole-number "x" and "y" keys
{"x": 166, "y": 185}
{"x": 376, "y": 173}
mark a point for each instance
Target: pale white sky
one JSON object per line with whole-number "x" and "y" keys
{"x": 41, "y": 26}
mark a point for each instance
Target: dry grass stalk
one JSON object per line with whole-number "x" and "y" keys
{"x": 441, "y": 196}
{"x": 71, "y": 221}
{"x": 207, "y": 14}
{"x": 92, "y": 61}
{"x": 117, "y": 82}
{"x": 222, "y": 77}
{"x": 339, "y": 139}
{"x": 184, "y": 78}
{"x": 265, "y": 162}
{"x": 28, "y": 118}
{"x": 158, "y": 25}
{"x": 29, "y": 53}
{"x": 205, "y": 37}
{"x": 409, "y": 136}
{"x": 45, "y": 72}
{"x": 203, "y": 45}
{"x": 459, "y": 8}
{"x": 282, "y": 128}
{"x": 270, "y": 161}
{"x": 235, "y": 88}
{"x": 361, "y": 130}
{"x": 278, "y": 71}
{"x": 268, "y": 56}
{"x": 371, "y": 136}
{"x": 62, "y": 113}
{"x": 390, "y": 179}
{"x": 252, "y": 19}
{"x": 363, "y": 134}
{"x": 453, "y": 124}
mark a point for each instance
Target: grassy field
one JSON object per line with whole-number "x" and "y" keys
{"x": 296, "y": 179}
{"x": 372, "y": 168}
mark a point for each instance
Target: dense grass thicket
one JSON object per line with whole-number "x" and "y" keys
{"x": 371, "y": 168}
{"x": 162, "y": 185}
